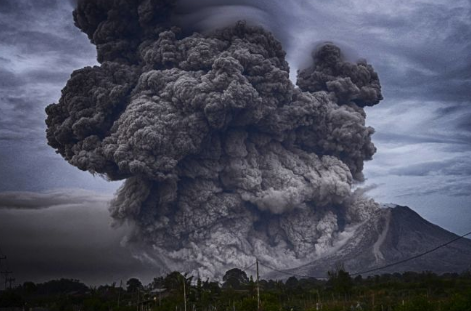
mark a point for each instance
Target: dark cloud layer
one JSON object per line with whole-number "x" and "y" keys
{"x": 32, "y": 43}
{"x": 431, "y": 47}
{"x": 41, "y": 200}
{"x": 453, "y": 167}
{"x": 39, "y": 48}
{"x": 65, "y": 234}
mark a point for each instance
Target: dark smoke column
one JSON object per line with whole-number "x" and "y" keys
{"x": 224, "y": 159}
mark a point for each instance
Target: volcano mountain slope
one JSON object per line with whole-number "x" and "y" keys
{"x": 392, "y": 234}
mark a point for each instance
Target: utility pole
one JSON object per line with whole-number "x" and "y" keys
{"x": 3, "y": 258}
{"x": 6, "y": 274}
{"x": 184, "y": 291}
{"x": 137, "y": 299}
{"x": 258, "y": 288}
{"x": 373, "y": 300}
{"x": 119, "y": 291}
{"x": 11, "y": 280}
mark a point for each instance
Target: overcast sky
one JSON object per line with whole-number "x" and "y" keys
{"x": 51, "y": 213}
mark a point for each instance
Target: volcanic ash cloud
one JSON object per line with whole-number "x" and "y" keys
{"x": 223, "y": 158}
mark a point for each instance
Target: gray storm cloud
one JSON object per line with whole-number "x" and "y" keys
{"x": 223, "y": 158}
{"x": 207, "y": 15}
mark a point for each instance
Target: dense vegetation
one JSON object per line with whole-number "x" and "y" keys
{"x": 402, "y": 292}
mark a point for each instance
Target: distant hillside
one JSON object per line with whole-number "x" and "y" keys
{"x": 392, "y": 234}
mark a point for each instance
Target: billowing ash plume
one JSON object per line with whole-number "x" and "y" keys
{"x": 224, "y": 159}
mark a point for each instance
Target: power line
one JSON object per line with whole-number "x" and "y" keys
{"x": 2, "y": 257}
{"x": 292, "y": 274}
{"x": 413, "y": 257}
{"x": 10, "y": 281}
{"x": 250, "y": 266}
{"x": 374, "y": 269}
{"x": 258, "y": 288}
{"x": 6, "y": 272}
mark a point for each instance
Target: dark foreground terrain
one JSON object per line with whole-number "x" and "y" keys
{"x": 406, "y": 291}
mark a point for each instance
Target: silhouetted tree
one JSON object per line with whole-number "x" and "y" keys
{"x": 291, "y": 282}
{"x": 172, "y": 281}
{"x": 157, "y": 283}
{"x": 341, "y": 281}
{"x": 133, "y": 285}
{"x": 235, "y": 279}
{"x": 29, "y": 287}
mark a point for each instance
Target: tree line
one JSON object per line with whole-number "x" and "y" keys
{"x": 238, "y": 292}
